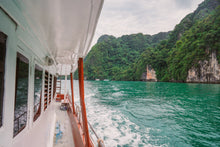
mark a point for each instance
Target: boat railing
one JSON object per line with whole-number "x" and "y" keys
{"x": 37, "y": 110}
{"x": 36, "y": 107}
{"x": 99, "y": 142}
{"x": 20, "y": 123}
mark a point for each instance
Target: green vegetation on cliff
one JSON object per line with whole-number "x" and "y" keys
{"x": 195, "y": 45}
{"x": 171, "y": 56}
{"x": 110, "y": 57}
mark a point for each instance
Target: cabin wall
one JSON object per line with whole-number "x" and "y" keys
{"x": 23, "y": 41}
{"x": 30, "y": 113}
{"x": 24, "y": 33}
{"x": 6, "y": 131}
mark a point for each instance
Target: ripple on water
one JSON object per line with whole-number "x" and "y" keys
{"x": 154, "y": 114}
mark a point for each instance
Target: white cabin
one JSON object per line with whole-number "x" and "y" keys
{"x": 39, "y": 40}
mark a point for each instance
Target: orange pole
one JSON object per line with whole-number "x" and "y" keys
{"x": 71, "y": 80}
{"x": 82, "y": 102}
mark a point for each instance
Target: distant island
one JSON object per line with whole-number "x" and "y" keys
{"x": 189, "y": 53}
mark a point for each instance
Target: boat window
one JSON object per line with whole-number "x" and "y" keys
{"x": 50, "y": 88}
{"x": 21, "y": 94}
{"x": 45, "y": 89}
{"x": 58, "y": 85}
{"x": 54, "y": 85}
{"x": 37, "y": 91}
{"x": 3, "y": 38}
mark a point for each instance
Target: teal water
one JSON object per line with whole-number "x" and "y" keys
{"x": 154, "y": 114}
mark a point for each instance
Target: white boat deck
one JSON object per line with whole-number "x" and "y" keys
{"x": 63, "y": 134}
{"x": 43, "y": 132}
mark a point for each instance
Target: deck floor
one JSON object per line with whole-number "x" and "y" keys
{"x": 62, "y": 118}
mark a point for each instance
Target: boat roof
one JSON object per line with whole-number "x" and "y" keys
{"x": 64, "y": 28}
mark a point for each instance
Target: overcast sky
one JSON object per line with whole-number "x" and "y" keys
{"x": 121, "y": 17}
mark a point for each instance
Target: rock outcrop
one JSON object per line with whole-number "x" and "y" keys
{"x": 149, "y": 75}
{"x": 207, "y": 72}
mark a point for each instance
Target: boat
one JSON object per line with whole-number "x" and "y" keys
{"x": 41, "y": 40}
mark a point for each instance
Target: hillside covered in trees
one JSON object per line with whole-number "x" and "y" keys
{"x": 171, "y": 54}
{"x": 111, "y": 56}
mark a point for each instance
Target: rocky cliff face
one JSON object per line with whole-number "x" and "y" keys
{"x": 207, "y": 72}
{"x": 149, "y": 75}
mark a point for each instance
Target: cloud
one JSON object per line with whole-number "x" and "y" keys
{"x": 121, "y": 17}
{"x": 184, "y": 3}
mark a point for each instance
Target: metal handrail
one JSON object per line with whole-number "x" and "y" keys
{"x": 79, "y": 114}
{"x": 37, "y": 111}
{"x": 79, "y": 118}
{"x": 93, "y": 130}
{"x": 35, "y": 106}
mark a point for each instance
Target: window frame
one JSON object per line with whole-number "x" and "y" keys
{"x": 36, "y": 116}
{"x": 26, "y": 60}
{"x": 46, "y": 89}
{"x": 3, "y": 41}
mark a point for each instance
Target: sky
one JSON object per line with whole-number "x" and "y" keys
{"x": 123, "y": 17}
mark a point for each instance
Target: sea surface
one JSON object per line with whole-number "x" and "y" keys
{"x": 136, "y": 114}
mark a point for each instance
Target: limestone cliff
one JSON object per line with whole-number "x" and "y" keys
{"x": 207, "y": 72}
{"x": 149, "y": 75}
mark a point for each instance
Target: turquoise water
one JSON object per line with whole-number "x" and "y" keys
{"x": 154, "y": 114}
